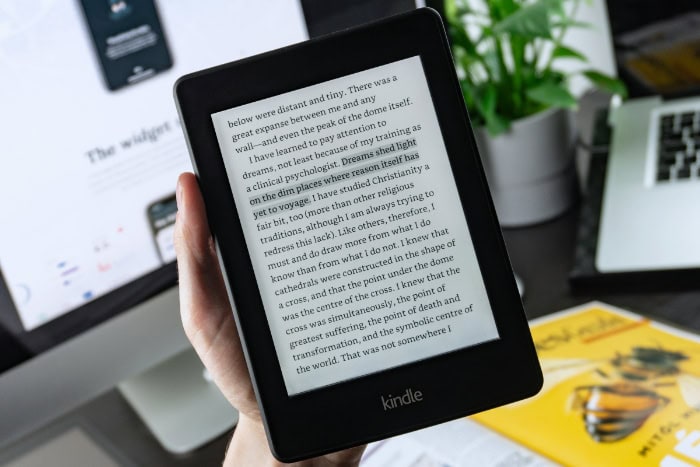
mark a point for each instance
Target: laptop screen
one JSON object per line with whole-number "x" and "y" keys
{"x": 657, "y": 46}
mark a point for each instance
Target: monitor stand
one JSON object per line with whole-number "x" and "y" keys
{"x": 179, "y": 404}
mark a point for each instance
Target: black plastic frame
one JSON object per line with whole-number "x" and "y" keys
{"x": 454, "y": 384}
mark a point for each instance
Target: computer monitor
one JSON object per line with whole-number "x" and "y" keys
{"x": 91, "y": 149}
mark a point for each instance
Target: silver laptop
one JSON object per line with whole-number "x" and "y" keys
{"x": 650, "y": 218}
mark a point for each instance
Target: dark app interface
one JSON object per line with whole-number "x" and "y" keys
{"x": 128, "y": 38}
{"x": 161, "y": 216}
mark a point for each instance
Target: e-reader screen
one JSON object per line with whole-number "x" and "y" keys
{"x": 353, "y": 222}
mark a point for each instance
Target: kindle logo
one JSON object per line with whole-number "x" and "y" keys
{"x": 407, "y": 398}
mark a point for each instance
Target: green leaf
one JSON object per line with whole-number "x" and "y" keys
{"x": 552, "y": 94}
{"x": 450, "y": 8}
{"x": 570, "y": 23}
{"x": 486, "y": 108}
{"x": 501, "y": 9}
{"x": 497, "y": 125}
{"x": 488, "y": 101}
{"x": 562, "y": 51}
{"x": 490, "y": 60}
{"x": 474, "y": 113}
{"x": 469, "y": 98}
{"x": 557, "y": 7}
{"x": 606, "y": 83}
{"x": 530, "y": 21}
{"x": 466, "y": 61}
{"x": 459, "y": 38}
{"x": 456, "y": 9}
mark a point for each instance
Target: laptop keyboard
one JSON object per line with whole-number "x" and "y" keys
{"x": 679, "y": 147}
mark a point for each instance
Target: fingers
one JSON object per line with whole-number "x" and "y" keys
{"x": 204, "y": 306}
{"x": 203, "y": 298}
{"x": 207, "y": 317}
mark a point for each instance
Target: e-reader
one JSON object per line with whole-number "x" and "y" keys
{"x": 362, "y": 253}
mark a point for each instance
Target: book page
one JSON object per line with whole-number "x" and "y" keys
{"x": 357, "y": 236}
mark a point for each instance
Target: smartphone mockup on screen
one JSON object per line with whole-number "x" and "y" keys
{"x": 161, "y": 217}
{"x": 128, "y": 39}
{"x": 354, "y": 225}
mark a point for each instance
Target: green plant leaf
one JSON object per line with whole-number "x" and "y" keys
{"x": 467, "y": 94}
{"x": 501, "y": 9}
{"x": 497, "y": 125}
{"x": 570, "y": 23}
{"x": 486, "y": 108}
{"x": 529, "y": 21}
{"x": 450, "y": 7}
{"x": 466, "y": 61}
{"x": 459, "y": 38}
{"x": 606, "y": 83}
{"x": 490, "y": 60}
{"x": 455, "y": 9}
{"x": 552, "y": 94}
{"x": 557, "y": 7}
{"x": 488, "y": 101}
{"x": 562, "y": 51}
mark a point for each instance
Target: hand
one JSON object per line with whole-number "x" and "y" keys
{"x": 210, "y": 327}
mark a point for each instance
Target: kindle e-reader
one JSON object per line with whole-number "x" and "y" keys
{"x": 363, "y": 257}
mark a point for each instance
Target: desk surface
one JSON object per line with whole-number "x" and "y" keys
{"x": 541, "y": 255}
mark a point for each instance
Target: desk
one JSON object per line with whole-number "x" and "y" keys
{"x": 541, "y": 255}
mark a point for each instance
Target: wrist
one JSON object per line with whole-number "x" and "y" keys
{"x": 249, "y": 447}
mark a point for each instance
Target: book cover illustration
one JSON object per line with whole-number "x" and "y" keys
{"x": 619, "y": 389}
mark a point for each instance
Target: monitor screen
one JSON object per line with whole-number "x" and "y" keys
{"x": 92, "y": 148}
{"x": 657, "y": 46}
{"x": 356, "y": 232}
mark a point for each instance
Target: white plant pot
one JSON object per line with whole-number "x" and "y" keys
{"x": 531, "y": 169}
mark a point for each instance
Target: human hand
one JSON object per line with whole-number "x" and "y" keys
{"x": 209, "y": 325}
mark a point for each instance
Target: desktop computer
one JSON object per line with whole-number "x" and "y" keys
{"x": 91, "y": 151}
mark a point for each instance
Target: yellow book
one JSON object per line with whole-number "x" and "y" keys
{"x": 619, "y": 390}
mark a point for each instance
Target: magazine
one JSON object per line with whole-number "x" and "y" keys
{"x": 619, "y": 389}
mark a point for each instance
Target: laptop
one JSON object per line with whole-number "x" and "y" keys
{"x": 650, "y": 218}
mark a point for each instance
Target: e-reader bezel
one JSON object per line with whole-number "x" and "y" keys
{"x": 454, "y": 384}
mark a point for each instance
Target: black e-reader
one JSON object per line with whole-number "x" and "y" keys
{"x": 362, "y": 253}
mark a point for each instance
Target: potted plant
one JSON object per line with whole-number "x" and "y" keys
{"x": 507, "y": 54}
